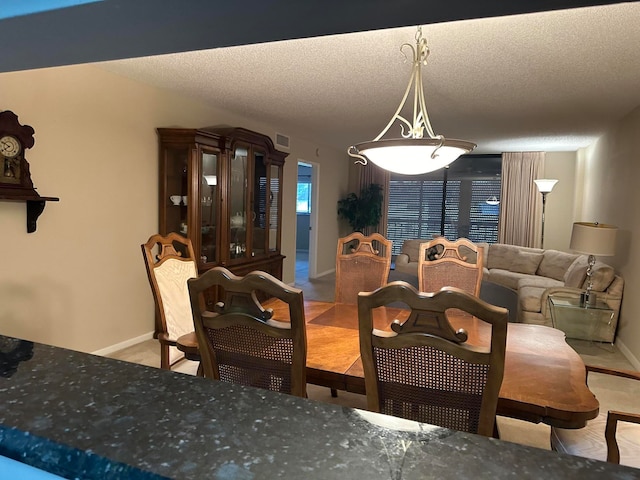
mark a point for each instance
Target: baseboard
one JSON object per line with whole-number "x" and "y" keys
{"x": 119, "y": 346}
{"x": 628, "y": 355}
{"x": 327, "y": 272}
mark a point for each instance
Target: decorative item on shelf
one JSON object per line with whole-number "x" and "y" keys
{"x": 419, "y": 150}
{"x": 15, "y": 179}
{"x": 592, "y": 239}
{"x": 237, "y": 221}
{"x": 184, "y": 200}
{"x": 175, "y": 199}
{"x": 545, "y": 185}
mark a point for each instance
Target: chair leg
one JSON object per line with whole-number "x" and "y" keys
{"x": 200, "y": 371}
{"x": 334, "y": 392}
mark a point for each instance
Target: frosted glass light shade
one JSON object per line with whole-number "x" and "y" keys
{"x": 593, "y": 238}
{"x": 545, "y": 185}
{"x": 413, "y": 156}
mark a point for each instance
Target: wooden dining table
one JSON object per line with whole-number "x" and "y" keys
{"x": 544, "y": 378}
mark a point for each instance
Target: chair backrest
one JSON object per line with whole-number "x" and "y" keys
{"x": 443, "y": 263}
{"x": 240, "y": 342}
{"x": 362, "y": 265}
{"x": 170, "y": 262}
{"x": 423, "y": 369}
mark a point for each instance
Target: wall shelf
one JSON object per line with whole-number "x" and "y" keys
{"x": 35, "y": 207}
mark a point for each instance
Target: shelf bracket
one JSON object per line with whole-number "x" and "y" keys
{"x": 34, "y": 210}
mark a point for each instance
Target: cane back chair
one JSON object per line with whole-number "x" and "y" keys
{"x": 423, "y": 369}
{"x": 443, "y": 263}
{"x": 170, "y": 262}
{"x": 362, "y": 265}
{"x": 239, "y": 341}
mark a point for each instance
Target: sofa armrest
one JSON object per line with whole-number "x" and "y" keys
{"x": 402, "y": 259}
{"x": 544, "y": 300}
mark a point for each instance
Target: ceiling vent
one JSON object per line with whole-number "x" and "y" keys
{"x": 282, "y": 141}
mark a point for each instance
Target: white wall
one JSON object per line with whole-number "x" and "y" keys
{"x": 79, "y": 280}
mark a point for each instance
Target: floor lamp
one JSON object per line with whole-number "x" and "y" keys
{"x": 545, "y": 185}
{"x": 593, "y": 239}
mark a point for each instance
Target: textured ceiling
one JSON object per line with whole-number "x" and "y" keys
{"x": 549, "y": 81}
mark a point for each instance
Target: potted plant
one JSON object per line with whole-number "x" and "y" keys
{"x": 364, "y": 210}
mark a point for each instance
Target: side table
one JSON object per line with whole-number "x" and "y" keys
{"x": 588, "y": 322}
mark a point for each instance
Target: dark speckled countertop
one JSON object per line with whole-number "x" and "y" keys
{"x": 84, "y": 416}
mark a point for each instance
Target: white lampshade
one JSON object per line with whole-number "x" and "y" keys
{"x": 545, "y": 185}
{"x": 413, "y": 156}
{"x": 593, "y": 238}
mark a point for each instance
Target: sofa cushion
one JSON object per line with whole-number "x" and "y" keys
{"x": 555, "y": 264}
{"x": 505, "y": 277}
{"x": 601, "y": 277}
{"x": 576, "y": 273}
{"x": 536, "y": 281}
{"x": 514, "y": 258}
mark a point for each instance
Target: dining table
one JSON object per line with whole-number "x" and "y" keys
{"x": 544, "y": 378}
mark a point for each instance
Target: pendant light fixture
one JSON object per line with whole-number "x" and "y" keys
{"x": 419, "y": 150}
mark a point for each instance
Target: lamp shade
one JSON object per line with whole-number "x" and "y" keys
{"x": 593, "y": 238}
{"x": 545, "y": 185}
{"x": 413, "y": 156}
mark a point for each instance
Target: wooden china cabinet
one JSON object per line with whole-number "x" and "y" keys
{"x": 222, "y": 188}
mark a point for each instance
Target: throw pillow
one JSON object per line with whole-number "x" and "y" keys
{"x": 576, "y": 273}
{"x": 555, "y": 264}
{"x": 601, "y": 277}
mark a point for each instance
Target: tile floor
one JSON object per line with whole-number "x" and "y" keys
{"x": 610, "y": 391}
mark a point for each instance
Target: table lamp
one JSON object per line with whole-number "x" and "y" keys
{"x": 593, "y": 239}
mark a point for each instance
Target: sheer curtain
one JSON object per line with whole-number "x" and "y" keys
{"x": 520, "y": 201}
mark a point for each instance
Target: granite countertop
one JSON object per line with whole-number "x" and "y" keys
{"x": 83, "y": 416}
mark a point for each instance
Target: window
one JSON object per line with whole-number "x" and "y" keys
{"x": 450, "y": 202}
{"x": 303, "y": 202}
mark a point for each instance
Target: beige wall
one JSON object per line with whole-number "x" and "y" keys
{"x": 608, "y": 172}
{"x": 559, "y": 212}
{"x": 79, "y": 280}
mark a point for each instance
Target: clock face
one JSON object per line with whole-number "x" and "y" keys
{"x": 9, "y": 146}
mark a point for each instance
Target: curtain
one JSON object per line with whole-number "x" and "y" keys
{"x": 520, "y": 202}
{"x": 368, "y": 174}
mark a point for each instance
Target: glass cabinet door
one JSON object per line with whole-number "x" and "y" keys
{"x": 259, "y": 205}
{"x": 176, "y": 190}
{"x": 274, "y": 207}
{"x": 209, "y": 206}
{"x": 237, "y": 199}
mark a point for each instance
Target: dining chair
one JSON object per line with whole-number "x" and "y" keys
{"x": 443, "y": 263}
{"x": 170, "y": 262}
{"x": 239, "y": 340}
{"x": 613, "y": 436}
{"x": 362, "y": 265}
{"x": 422, "y": 369}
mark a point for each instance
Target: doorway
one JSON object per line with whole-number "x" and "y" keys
{"x": 306, "y": 214}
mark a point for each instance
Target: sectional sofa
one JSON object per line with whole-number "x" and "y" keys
{"x": 535, "y": 274}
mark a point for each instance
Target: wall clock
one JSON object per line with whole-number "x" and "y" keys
{"x": 15, "y": 179}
